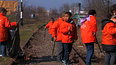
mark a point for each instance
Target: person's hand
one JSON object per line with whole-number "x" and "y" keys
{"x": 69, "y": 28}
{"x": 55, "y": 38}
{"x": 94, "y": 33}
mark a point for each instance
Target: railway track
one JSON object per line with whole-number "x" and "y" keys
{"x": 37, "y": 51}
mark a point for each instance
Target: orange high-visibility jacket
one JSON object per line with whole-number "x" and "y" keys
{"x": 87, "y": 29}
{"x": 68, "y": 36}
{"x": 56, "y": 29}
{"x": 49, "y": 25}
{"x": 109, "y": 34}
{"x": 4, "y": 25}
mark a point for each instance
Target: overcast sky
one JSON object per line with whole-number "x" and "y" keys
{"x": 49, "y": 3}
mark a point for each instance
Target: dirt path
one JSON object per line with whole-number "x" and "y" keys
{"x": 40, "y": 51}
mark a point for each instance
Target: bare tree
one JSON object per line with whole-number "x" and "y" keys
{"x": 54, "y": 13}
{"x": 42, "y": 14}
{"x": 74, "y": 7}
{"x": 65, "y": 7}
{"x": 101, "y": 6}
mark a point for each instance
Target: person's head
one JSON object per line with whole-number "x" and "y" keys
{"x": 113, "y": 9}
{"x": 113, "y": 18}
{"x": 52, "y": 19}
{"x": 3, "y": 11}
{"x": 67, "y": 16}
{"x": 92, "y": 12}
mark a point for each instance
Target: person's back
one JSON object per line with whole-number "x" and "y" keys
{"x": 109, "y": 37}
{"x": 88, "y": 32}
{"x": 109, "y": 40}
{"x": 87, "y": 29}
{"x": 4, "y": 35}
{"x": 56, "y": 30}
{"x": 4, "y": 25}
{"x": 56, "y": 34}
{"x": 109, "y": 31}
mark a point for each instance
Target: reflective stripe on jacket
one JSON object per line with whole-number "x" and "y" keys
{"x": 56, "y": 29}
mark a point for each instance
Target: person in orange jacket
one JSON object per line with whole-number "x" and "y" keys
{"x": 4, "y": 35}
{"x": 56, "y": 34}
{"x": 69, "y": 35}
{"x": 109, "y": 38}
{"x": 88, "y": 32}
{"x": 49, "y": 25}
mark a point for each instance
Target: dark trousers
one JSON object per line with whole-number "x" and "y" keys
{"x": 3, "y": 48}
{"x": 110, "y": 58}
{"x": 60, "y": 54}
{"x": 67, "y": 49}
{"x": 90, "y": 51}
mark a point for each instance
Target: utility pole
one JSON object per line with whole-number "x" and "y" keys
{"x": 108, "y": 6}
{"x": 79, "y": 7}
{"x": 21, "y": 13}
